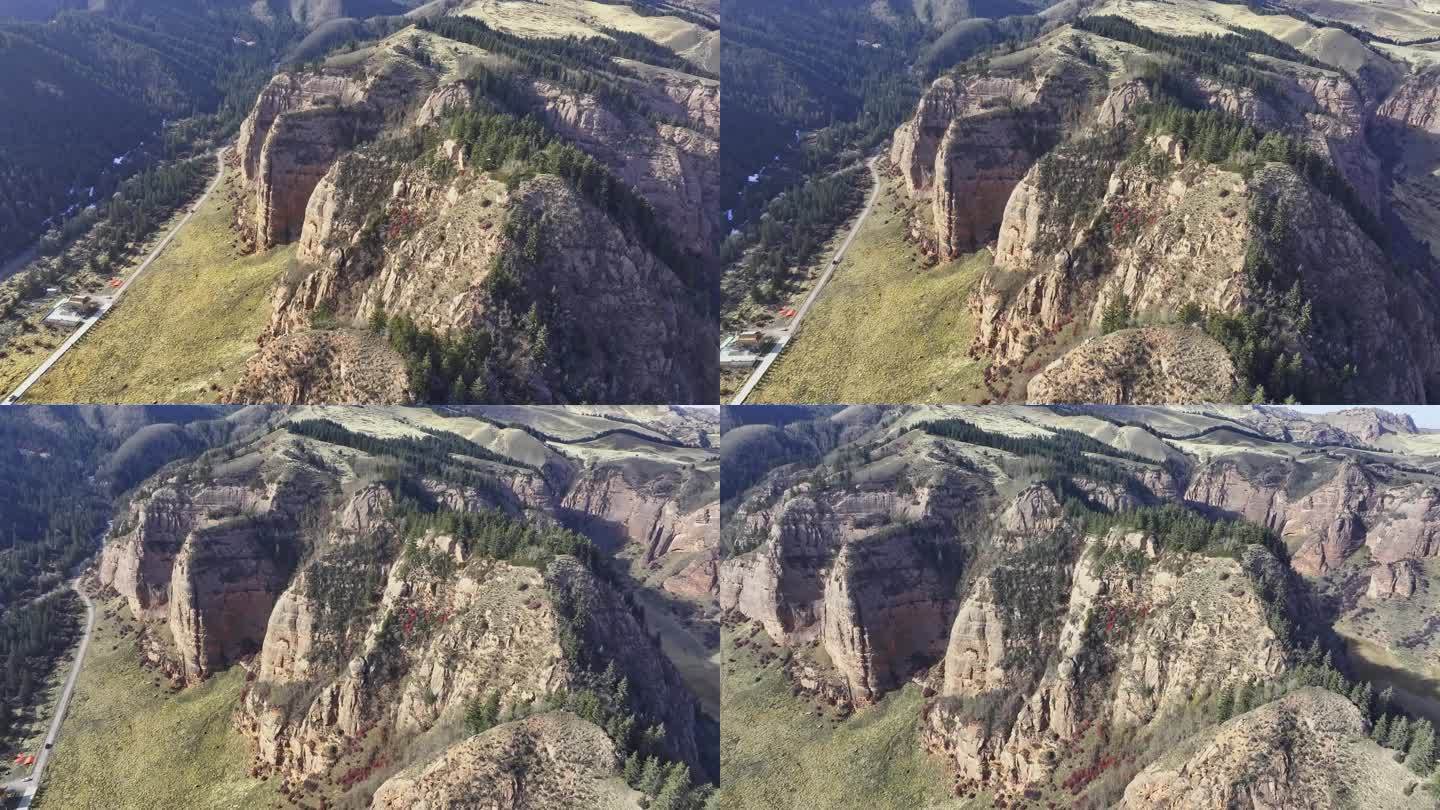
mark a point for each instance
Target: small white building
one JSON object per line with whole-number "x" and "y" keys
{"x": 72, "y": 311}
{"x": 736, "y": 354}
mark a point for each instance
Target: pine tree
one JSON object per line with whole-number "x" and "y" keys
{"x": 1244, "y": 698}
{"x": 652, "y": 777}
{"x": 1399, "y": 738}
{"x": 1362, "y": 696}
{"x": 1381, "y": 732}
{"x": 633, "y": 768}
{"x": 1225, "y": 708}
{"x": 1387, "y": 699}
{"x": 673, "y": 794}
{"x": 1422, "y": 748}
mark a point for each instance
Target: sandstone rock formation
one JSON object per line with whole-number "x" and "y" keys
{"x": 1039, "y": 151}
{"x": 553, "y": 760}
{"x": 1088, "y": 634}
{"x": 379, "y": 231}
{"x": 289, "y": 556}
{"x": 972, "y": 139}
{"x": 1307, "y": 749}
{"x": 1151, "y": 365}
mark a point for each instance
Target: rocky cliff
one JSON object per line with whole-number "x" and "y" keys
{"x": 391, "y": 216}
{"x": 298, "y": 127}
{"x": 1307, "y": 749}
{"x": 1142, "y": 637}
{"x": 374, "y": 604}
{"x": 554, "y": 760}
{"x": 1054, "y": 152}
{"x": 974, "y": 136}
{"x": 209, "y": 558}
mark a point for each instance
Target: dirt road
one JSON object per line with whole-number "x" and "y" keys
{"x": 781, "y": 337}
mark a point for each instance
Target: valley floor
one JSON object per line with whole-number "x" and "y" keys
{"x": 782, "y": 751}
{"x": 129, "y": 742}
{"x": 886, "y": 328}
{"x": 184, "y": 331}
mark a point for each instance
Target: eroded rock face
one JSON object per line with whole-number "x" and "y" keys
{"x": 781, "y": 583}
{"x": 611, "y": 506}
{"x": 870, "y": 575}
{"x": 1286, "y": 754}
{"x": 886, "y": 607}
{"x": 488, "y": 630}
{"x": 301, "y": 123}
{"x": 1166, "y": 635}
{"x": 225, "y": 582}
{"x": 1151, "y": 365}
{"x": 377, "y": 232}
{"x": 1161, "y": 262}
{"x": 1156, "y": 243}
{"x": 1415, "y": 104}
{"x": 567, "y": 764}
{"x": 1350, "y": 510}
{"x": 1393, "y": 580}
{"x": 210, "y": 559}
{"x": 435, "y": 266}
{"x": 674, "y": 165}
{"x": 140, "y": 561}
{"x": 349, "y": 366}
{"x": 972, "y": 140}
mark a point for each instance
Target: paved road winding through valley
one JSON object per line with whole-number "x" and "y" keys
{"x": 89, "y": 322}
{"x": 27, "y": 789}
{"x": 783, "y": 336}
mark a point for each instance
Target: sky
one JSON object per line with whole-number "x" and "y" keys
{"x": 1425, "y": 416}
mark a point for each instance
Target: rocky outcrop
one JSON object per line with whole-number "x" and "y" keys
{"x": 1307, "y": 749}
{"x": 1163, "y": 635}
{"x": 1054, "y": 268}
{"x": 553, "y": 760}
{"x": 981, "y": 149}
{"x": 380, "y": 230}
{"x": 226, "y": 579}
{"x": 1151, "y": 365}
{"x": 781, "y": 583}
{"x": 1369, "y": 424}
{"x": 973, "y": 138}
{"x": 1154, "y": 243}
{"x": 138, "y": 560}
{"x": 1415, "y": 104}
{"x": 1393, "y": 580}
{"x": 671, "y": 159}
{"x": 211, "y": 558}
{"x": 374, "y": 600}
{"x": 301, "y": 123}
{"x": 484, "y": 631}
{"x": 610, "y": 504}
{"x": 887, "y": 606}
{"x": 611, "y": 628}
{"x": 381, "y": 236}
{"x": 351, "y": 367}
{"x": 1351, "y": 509}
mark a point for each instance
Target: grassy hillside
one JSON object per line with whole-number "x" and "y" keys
{"x": 886, "y": 328}
{"x": 128, "y": 742}
{"x": 781, "y": 753}
{"x": 183, "y": 331}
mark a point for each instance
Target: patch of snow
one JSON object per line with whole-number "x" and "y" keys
{"x": 730, "y": 215}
